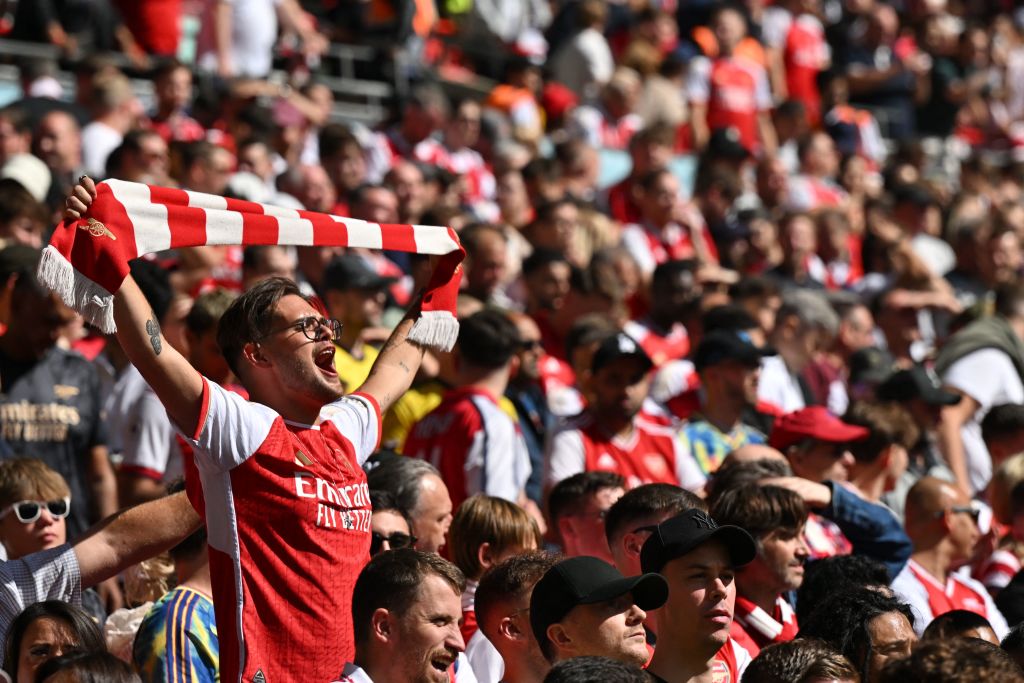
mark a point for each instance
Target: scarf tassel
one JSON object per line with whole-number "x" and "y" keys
{"x": 76, "y": 290}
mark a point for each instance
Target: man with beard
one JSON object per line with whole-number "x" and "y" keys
{"x": 584, "y": 607}
{"x": 699, "y": 560}
{"x": 405, "y": 612}
{"x": 282, "y": 486}
{"x": 775, "y": 517}
{"x": 611, "y": 435}
{"x": 729, "y": 366}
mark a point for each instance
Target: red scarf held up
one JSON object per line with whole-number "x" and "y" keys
{"x": 87, "y": 260}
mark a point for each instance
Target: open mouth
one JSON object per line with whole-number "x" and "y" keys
{"x": 324, "y": 359}
{"x": 442, "y": 662}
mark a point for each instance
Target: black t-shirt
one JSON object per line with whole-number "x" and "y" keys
{"x": 51, "y": 409}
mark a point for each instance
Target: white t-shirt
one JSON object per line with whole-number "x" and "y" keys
{"x": 778, "y": 386}
{"x": 140, "y": 431}
{"x": 253, "y": 32}
{"x": 990, "y": 378}
{"x": 584, "y": 63}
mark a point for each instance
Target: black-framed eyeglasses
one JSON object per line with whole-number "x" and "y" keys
{"x": 310, "y": 326}
{"x": 396, "y": 540}
{"x": 530, "y": 344}
{"x": 28, "y": 511}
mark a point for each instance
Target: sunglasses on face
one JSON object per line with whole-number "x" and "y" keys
{"x": 28, "y": 511}
{"x": 974, "y": 513}
{"x": 396, "y": 540}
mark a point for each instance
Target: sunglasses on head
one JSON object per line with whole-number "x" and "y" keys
{"x": 396, "y": 540}
{"x": 28, "y": 511}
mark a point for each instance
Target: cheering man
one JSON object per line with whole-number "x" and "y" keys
{"x": 286, "y": 502}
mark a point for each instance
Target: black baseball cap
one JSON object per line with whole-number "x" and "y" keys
{"x": 585, "y": 581}
{"x": 871, "y": 365}
{"x": 685, "y": 532}
{"x": 350, "y": 271}
{"x": 719, "y": 346}
{"x": 916, "y": 382}
{"x": 619, "y": 345}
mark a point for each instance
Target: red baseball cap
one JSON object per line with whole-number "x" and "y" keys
{"x": 814, "y": 422}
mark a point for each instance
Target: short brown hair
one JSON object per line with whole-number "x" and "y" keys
{"x": 250, "y": 316}
{"x": 392, "y": 581}
{"x": 511, "y": 580}
{"x": 29, "y": 478}
{"x": 888, "y": 424}
{"x": 486, "y": 519}
{"x": 760, "y": 509}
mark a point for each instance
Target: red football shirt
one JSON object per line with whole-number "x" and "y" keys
{"x": 735, "y": 91}
{"x": 475, "y": 445}
{"x": 288, "y": 517}
{"x": 651, "y": 454}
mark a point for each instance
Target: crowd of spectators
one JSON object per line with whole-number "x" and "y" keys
{"x": 738, "y": 391}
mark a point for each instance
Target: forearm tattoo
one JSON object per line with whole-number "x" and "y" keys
{"x": 153, "y": 330}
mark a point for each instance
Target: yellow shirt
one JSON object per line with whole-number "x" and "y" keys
{"x": 353, "y": 371}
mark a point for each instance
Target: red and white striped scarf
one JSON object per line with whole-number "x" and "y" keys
{"x": 87, "y": 260}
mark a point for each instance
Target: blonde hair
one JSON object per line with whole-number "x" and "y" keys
{"x": 1009, "y": 474}
{"x": 29, "y": 478}
{"x": 486, "y": 519}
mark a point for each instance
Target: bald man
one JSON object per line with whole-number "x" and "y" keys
{"x": 751, "y": 452}
{"x": 943, "y": 526}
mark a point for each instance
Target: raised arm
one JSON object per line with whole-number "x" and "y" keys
{"x": 178, "y": 384}
{"x": 133, "y": 535}
{"x": 396, "y": 366}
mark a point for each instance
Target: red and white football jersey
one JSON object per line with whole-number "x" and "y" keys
{"x": 651, "y": 454}
{"x": 805, "y": 53}
{"x": 287, "y": 512}
{"x": 651, "y": 246}
{"x": 807, "y": 193}
{"x": 475, "y": 445}
{"x": 929, "y": 598}
{"x": 480, "y": 183}
{"x": 735, "y": 91}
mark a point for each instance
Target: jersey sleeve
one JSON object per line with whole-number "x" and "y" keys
{"x": 762, "y": 90}
{"x": 565, "y": 457}
{"x": 148, "y": 443}
{"x": 230, "y": 428}
{"x": 357, "y": 417}
{"x": 635, "y": 242}
{"x": 774, "y": 27}
{"x": 498, "y": 457}
{"x": 698, "y": 82}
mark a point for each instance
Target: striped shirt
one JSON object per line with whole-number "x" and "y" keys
{"x": 177, "y": 640}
